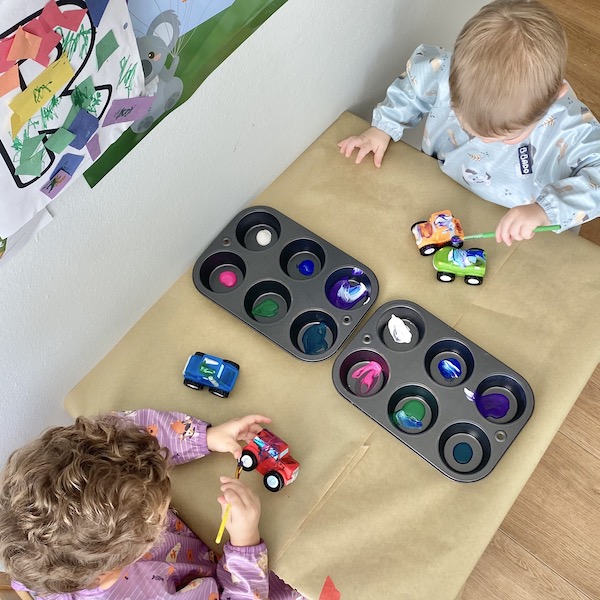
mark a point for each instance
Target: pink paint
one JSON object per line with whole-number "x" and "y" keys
{"x": 227, "y": 278}
{"x": 368, "y": 375}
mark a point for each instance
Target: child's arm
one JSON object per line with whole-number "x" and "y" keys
{"x": 243, "y": 571}
{"x": 188, "y": 438}
{"x": 407, "y": 101}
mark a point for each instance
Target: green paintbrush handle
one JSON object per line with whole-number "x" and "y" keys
{"x": 491, "y": 234}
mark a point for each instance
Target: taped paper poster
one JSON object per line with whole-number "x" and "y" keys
{"x": 63, "y": 63}
{"x": 180, "y": 42}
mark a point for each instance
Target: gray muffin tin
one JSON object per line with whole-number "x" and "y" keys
{"x": 381, "y": 377}
{"x": 260, "y": 264}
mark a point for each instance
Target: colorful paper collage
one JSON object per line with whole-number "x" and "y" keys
{"x": 54, "y": 97}
{"x": 72, "y": 83}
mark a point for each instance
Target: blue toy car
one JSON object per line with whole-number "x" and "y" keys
{"x": 218, "y": 374}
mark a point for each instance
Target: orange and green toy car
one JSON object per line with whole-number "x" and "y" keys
{"x": 438, "y": 232}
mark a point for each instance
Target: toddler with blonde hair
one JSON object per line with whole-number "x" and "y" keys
{"x": 84, "y": 513}
{"x": 502, "y": 121}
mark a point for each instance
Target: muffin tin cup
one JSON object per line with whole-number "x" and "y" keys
{"x": 289, "y": 284}
{"x": 443, "y": 396}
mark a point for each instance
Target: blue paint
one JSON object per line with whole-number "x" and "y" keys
{"x": 306, "y": 267}
{"x": 462, "y": 453}
{"x": 450, "y": 368}
{"x": 408, "y": 422}
{"x": 313, "y": 339}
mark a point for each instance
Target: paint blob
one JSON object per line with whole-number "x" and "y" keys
{"x": 266, "y": 308}
{"x": 306, "y": 267}
{"x": 462, "y": 453}
{"x": 314, "y": 339}
{"x": 490, "y": 406}
{"x": 450, "y": 368}
{"x": 368, "y": 375}
{"x": 399, "y": 330}
{"x": 227, "y": 278}
{"x": 407, "y": 421}
{"x": 264, "y": 237}
{"x": 348, "y": 291}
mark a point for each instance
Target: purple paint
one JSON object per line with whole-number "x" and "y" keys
{"x": 490, "y": 406}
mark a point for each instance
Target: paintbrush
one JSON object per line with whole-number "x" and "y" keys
{"x": 238, "y": 471}
{"x": 491, "y": 234}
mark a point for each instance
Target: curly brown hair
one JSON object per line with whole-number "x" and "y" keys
{"x": 80, "y": 501}
{"x": 508, "y": 66}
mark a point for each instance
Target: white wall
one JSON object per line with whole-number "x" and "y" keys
{"x": 111, "y": 252}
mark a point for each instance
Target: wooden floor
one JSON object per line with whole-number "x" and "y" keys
{"x": 548, "y": 547}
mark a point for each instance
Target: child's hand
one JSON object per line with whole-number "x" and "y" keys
{"x": 244, "y": 514}
{"x": 372, "y": 140}
{"x": 519, "y": 222}
{"x": 225, "y": 437}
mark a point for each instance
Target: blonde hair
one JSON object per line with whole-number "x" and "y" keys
{"x": 508, "y": 66}
{"x": 80, "y": 501}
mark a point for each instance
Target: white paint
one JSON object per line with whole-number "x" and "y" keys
{"x": 69, "y": 296}
{"x": 399, "y": 330}
{"x": 263, "y": 237}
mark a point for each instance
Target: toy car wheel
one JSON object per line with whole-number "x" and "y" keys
{"x": 428, "y": 250}
{"x": 230, "y": 362}
{"x": 473, "y": 280}
{"x": 200, "y": 354}
{"x": 219, "y": 393}
{"x": 248, "y": 461}
{"x": 445, "y": 277}
{"x": 192, "y": 384}
{"x": 273, "y": 481}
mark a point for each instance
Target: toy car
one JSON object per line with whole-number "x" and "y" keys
{"x": 270, "y": 456}
{"x": 469, "y": 264}
{"x": 205, "y": 370}
{"x": 438, "y": 232}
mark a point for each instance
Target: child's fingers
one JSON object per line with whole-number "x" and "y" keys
{"x": 351, "y": 143}
{"x": 362, "y": 152}
{"x": 378, "y": 156}
{"x": 236, "y": 492}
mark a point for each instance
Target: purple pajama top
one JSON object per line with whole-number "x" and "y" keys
{"x": 180, "y": 565}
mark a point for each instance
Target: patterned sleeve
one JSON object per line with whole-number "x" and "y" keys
{"x": 573, "y": 167}
{"x": 243, "y": 572}
{"x": 414, "y": 93}
{"x": 183, "y": 435}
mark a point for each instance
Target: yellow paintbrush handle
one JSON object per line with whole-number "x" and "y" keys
{"x": 222, "y": 527}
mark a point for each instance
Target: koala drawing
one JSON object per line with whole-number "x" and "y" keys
{"x": 160, "y": 81}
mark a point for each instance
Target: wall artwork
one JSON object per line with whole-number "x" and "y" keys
{"x": 180, "y": 43}
{"x": 83, "y": 81}
{"x": 61, "y": 73}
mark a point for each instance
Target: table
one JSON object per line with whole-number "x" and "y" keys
{"x": 365, "y": 509}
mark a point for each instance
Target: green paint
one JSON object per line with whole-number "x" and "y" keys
{"x": 415, "y": 409}
{"x": 267, "y": 308}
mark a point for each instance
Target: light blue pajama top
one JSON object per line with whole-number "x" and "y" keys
{"x": 557, "y": 166}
